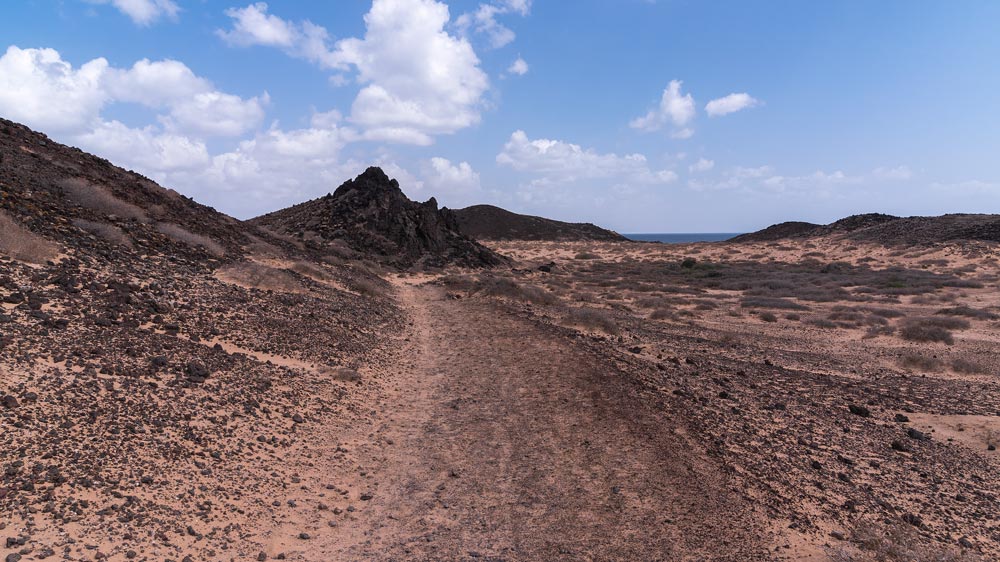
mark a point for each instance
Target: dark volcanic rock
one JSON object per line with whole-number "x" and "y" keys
{"x": 372, "y": 215}
{"x": 888, "y": 229}
{"x": 486, "y": 222}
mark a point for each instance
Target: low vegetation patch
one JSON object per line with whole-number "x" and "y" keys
{"x": 96, "y": 198}
{"x": 20, "y": 243}
{"x": 918, "y": 362}
{"x": 771, "y": 302}
{"x": 592, "y": 318}
{"x": 178, "y": 234}
{"x": 105, "y": 231}
{"x": 967, "y": 367}
{"x": 259, "y": 276}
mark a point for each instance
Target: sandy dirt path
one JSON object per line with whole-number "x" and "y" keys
{"x": 501, "y": 440}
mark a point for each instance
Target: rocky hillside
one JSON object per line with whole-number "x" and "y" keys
{"x": 486, "y": 222}
{"x": 370, "y": 214}
{"x": 160, "y": 362}
{"x": 889, "y": 230}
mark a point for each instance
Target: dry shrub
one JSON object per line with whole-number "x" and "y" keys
{"x": 261, "y": 277}
{"x": 501, "y": 287}
{"x": 592, "y": 318}
{"x": 918, "y": 362}
{"x": 967, "y": 367}
{"x": 869, "y": 542}
{"x": 916, "y": 332}
{"x": 968, "y": 312}
{"x": 932, "y": 328}
{"x": 662, "y": 314}
{"x": 108, "y": 232}
{"x": 178, "y": 234}
{"x": 22, "y": 244}
{"x": 876, "y": 331}
{"x": 768, "y": 317}
{"x": 367, "y": 286}
{"x": 586, "y": 256}
{"x": 344, "y": 374}
{"x": 96, "y": 198}
{"x": 769, "y": 302}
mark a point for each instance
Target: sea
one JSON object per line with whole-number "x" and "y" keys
{"x": 682, "y": 237}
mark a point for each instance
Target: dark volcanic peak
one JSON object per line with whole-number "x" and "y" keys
{"x": 372, "y": 215}
{"x": 780, "y": 231}
{"x": 486, "y": 222}
{"x": 888, "y": 229}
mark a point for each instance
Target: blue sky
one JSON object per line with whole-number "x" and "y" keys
{"x": 639, "y": 115}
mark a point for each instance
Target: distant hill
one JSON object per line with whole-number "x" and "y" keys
{"x": 371, "y": 215}
{"x": 486, "y": 222}
{"x": 888, "y": 229}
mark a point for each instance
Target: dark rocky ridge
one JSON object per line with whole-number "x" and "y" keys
{"x": 889, "y": 230}
{"x": 372, "y": 215}
{"x": 486, "y": 222}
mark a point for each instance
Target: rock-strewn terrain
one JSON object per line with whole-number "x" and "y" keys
{"x": 161, "y": 364}
{"x": 178, "y": 385}
{"x": 371, "y": 215}
{"x": 486, "y": 222}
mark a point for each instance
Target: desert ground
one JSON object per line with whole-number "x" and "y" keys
{"x": 801, "y": 400}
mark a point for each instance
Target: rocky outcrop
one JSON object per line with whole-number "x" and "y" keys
{"x": 889, "y": 230}
{"x": 371, "y": 215}
{"x": 486, "y": 222}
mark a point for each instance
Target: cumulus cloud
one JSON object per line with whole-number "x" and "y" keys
{"x": 897, "y": 173}
{"x": 519, "y": 67}
{"x": 417, "y": 80}
{"x": 730, "y": 104}
{"x": 702, "y": 165}
{"x": 143, "y": 12}
{"x": 145, "y": 149}
{"x": 441, "y": 176}
{"x": 559, "y": 161}
{"x": 37, "y": 87}
{"x": 484, "y": 20}
{"x": 254, "y": 26}
{"x": 674, "y": 109}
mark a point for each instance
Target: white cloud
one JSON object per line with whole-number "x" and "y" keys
{"x": 674, "y": 108}
{"x": 217, "y": 114}
{"x": 702, "y": 165}
{"x": 897, "y": 173}
{"x": 154, "y": 83}
{"x": 417, "y": 80}
{"x": 484, "y": 20}
{"x": 519, "y": 67}
{"x": 254, "y": 26}
{"x": 441, "y": 176}
{"x": 144, "y": 149}
{"x": 420, "y": 81}
{"x": 558, "y": 161}
{"x": 143, "y": 12}
{"x": 40, "y": 89}
{"x": 730, "y": 104}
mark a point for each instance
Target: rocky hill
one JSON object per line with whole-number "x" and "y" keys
{"x": 889, "y": 230}
{"x": 160, "y": 362}
{"x": 370, "y": 214}
{"x": 486, "y": 222}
